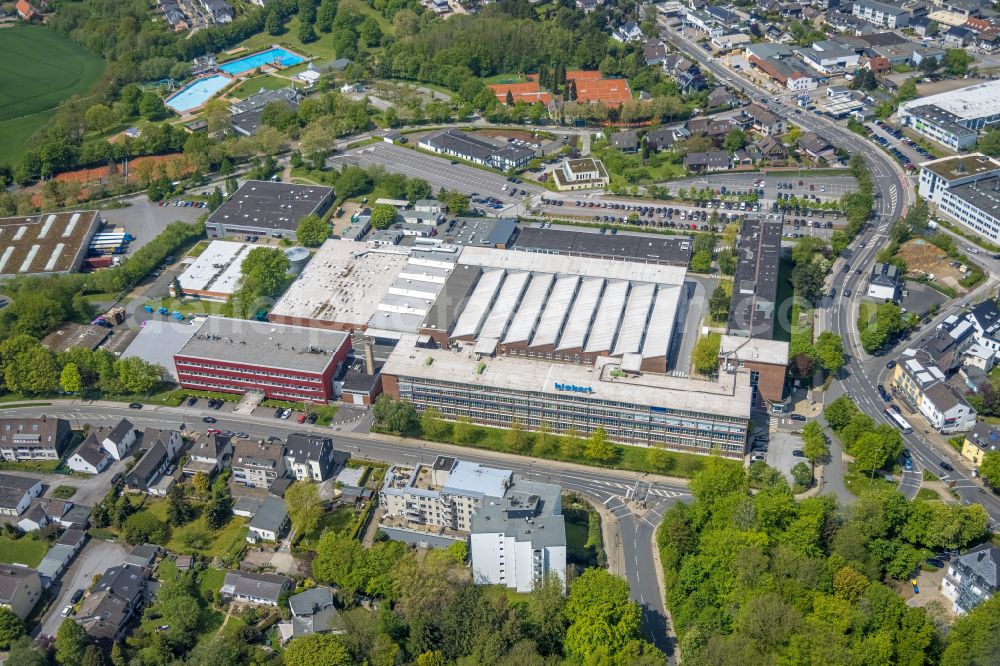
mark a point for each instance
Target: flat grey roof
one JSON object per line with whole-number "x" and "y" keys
{"x": 158, "y": 341}
{"x": 217, "y": 268}
{"x": 671, "y": 250}
{"x": 255, "y": 343}
{"x": 271, "y": 206}
{"x": 755, "y": 284}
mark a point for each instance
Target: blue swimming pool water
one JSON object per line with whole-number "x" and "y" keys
{"x": 283, "y": 57}
{"x": 197, "y": 93}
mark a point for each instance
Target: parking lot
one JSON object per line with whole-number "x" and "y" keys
{"x": 897, "y": 143}
{"x": 779, "y": 452}
{"x": 145, "y": 219}
{"x": 798, "y": 183}
{"x": 95, "y": 558}
{"x": 437, "y": 171}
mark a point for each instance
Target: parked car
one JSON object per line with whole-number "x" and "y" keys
{"x": 76, "y": 596}
{"x": 313, "y": 416}
{"x": 242, "y": 435}
{"x": 278, "y": 413}
{"x": 135, "y": 405}
{"x": 757, "y": 458}
{"x": 192, "y": 401}
{"x": 67, "y": 611}
{"x": 286, "y": 413}
{"x": 798, "y": 453}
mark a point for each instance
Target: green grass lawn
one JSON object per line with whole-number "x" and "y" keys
{"x": 926, "y": 494}
{"x": 505, "y": 78}
{"x": 859, "y": 483}
{"x": 332, "y": 521}
{"x": 322, "y": 48}
{"x": 195, "y": 538}
{"x": 253, "y": 86}
{"x": 210, "y": 579}
{"x": 198, "y": 249}
{"x": 49, "y": 68}
{"x": 27, "y": 550}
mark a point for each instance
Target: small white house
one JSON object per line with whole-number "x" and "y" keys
{"x": 90, "y": 457}
{"x": 119, "y": 440}
{"x": 884, "y": 282}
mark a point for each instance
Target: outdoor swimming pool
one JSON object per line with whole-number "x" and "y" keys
{"x": 275, "y": 55}
{"x": 197, "y": 93}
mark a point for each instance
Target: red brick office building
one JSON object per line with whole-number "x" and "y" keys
{"x": 284, "y": 362}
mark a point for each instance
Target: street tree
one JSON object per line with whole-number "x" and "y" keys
{"x": 137, "y": 375}
{"x": 516, "y": 438}
{"x": 462, "y": 431}
{"x": 814, "y": 444}
{"x": 600, "y": 448}
{"x": 989, "y": 469}
{"x": 830, "y": 350}
{"x": 432, "y": 423}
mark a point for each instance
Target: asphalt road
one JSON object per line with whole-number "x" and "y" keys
{"x": 600, "y": 485}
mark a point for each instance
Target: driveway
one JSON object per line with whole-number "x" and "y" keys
{"x": 90, "y": 490}
{"x": 96, "y": 557}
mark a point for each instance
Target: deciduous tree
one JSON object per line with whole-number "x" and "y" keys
{"x": 312, "y": 231}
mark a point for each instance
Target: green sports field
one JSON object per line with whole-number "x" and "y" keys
{"x": 41, "y": 69}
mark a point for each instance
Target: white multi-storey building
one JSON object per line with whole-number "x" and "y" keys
{"x": 966, "y": 189}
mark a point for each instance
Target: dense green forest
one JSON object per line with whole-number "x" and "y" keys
{"x": 761, "y": 578}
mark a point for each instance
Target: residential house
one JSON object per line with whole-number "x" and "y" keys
{"x": 148, "y": 474}
{"x": 309, "y": 457}
{"x": 253, "y": 588}
{"x": 654, "y": 52}
{"x": 207, "y": 455}
{"x": 20, "y": 589}
{"x": 972, "y": 578}
{"x": 26, "y": 10}
{"x": 33, "y": 439}
{"x": 883, "y": 283}
{"x": 771, "y": 150}
{"x": 662, "y": 138}
{"x": 90, "y": 457}
{"x": 765, "y": 121}
{"x": 626, "y": 141}
{"x": 957, "y": 37}
{"x": 979, "y": 441}
{"x": 720, "y": 98}
{"x": 119, "y": 440}
{"x": 16, "y": 493}
{"x": 34, "y": 519}
{"x": 258, "y": 464}
{"x": 108, "y": 610}
{"x": 627, "y": 33}
{"x": 920, "y": 382}
{"x": 313, "y": 612}
{"x": 219, "y": 11}
{"x": 713, "y": 160}
{"x": 815, "y": 146}
{"x": 269, "y": 521}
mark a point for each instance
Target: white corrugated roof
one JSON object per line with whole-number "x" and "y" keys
{"x": 633, "y": 324}
{"x": 479, "y": 304}
{"x": 556, "y": 311}
{"x": 661, "y": 323}
{"x": 578, "y": 324}
{"x": 609, "y": 313}
{"x": 503, "y": 309}
{"x": 531, "y": 306}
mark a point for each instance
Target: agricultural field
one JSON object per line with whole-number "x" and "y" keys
{"x": 49, "y": 69}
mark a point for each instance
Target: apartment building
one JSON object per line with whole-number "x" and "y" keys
{"x": 258, "y": 464}
{"x": 33, "y": 439}
{"x": 923, "y": 385}
{"x": 519, "y": 539}
{"x": 965, "y": 189}
{"x": 442, "y": 495}
{"x": 309, "y": 457}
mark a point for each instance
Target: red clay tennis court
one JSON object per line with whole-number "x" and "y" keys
{"x": 590, "y": 87}
{"x": 521, "y": 92}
